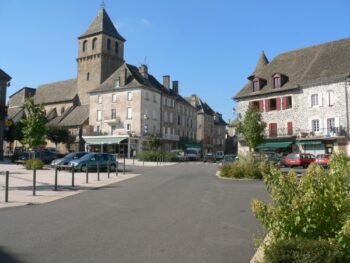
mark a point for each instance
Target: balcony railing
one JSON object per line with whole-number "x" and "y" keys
{"x": 171, "y": 137}
{"x": 112, "y": 120}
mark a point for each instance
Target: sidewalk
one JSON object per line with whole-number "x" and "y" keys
{"x": 21, "y": 184}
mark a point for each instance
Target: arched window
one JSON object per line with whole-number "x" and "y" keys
{"x": 108, "y": 44}
{"x": 94, "y": 43}
{"x": 88, "y": 76}
{"x": 116, "y": 47}
{"x": 85, "y": 45}
{"x": 62, "y": 110}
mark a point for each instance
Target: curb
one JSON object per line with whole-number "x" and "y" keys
{"x": 235, "y": 179}
{"x": 259, "y": 254}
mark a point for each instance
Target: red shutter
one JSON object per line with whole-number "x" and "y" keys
{"x": 267, "y": 108}
{"x": 278, "y": 103}
{"x": 284, "y": 103}
{"x": 273, "y": 129}
{"x": 290, "y": 128}
{"x": 261, "y": 105}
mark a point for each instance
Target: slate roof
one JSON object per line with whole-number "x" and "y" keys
{"x": 219, "y": 120}
{"x": 76, "y": 117}
{"x": 201, "y": 106}
{"x": 15, "y": 114}
{"x": 56, "y": 92}
{"x": 262, "y": 62}
{"x": 4, "y": 75}
{"x": 316, "y": 64}
{"x": 102, "y": 24}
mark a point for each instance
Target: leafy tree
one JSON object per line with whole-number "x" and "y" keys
{"x": 153, "y": 142}
{"x": 34, "y": 129}
{"x": 57, "y": 134}
{"x": 14, "y": 132}
{"x": 252, "y": 127}
{"x": 70, "y": 139}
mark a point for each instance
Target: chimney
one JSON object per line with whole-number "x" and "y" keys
{"x": 166, "y": 81}
{"x": 123, "y": 77}
{"x": 176, "y": 87}
{"x": 143, "y": 69}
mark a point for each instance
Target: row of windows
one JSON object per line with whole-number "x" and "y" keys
{"x": 114, "y": 114}
{"x": 113, "y": 128}
{"x": 316, "y": 99}
{"x": 315, "y": 125}
{"x": 94, "y": 45}
{"x": 114, "y": 97}
{"x": 273, "y": 104}
{"x": 278, "y": 80}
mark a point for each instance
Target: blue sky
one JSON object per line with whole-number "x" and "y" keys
{"x": 210, "y": 46}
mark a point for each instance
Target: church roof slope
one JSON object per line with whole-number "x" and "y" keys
{"x": 4, "y": 75}
{"x": 56, "y": 92}
{"x": 76, "y": 117}
{"x": 102, "y": 24}
{"x": 316, "y": 64}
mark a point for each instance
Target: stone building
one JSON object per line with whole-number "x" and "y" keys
{"x": 219, "y": 136}
{"x": 303, "y": 97}
{"x": 4, "y": 83}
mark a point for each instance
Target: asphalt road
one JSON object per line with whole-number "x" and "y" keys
{"x": 180, "y": 213}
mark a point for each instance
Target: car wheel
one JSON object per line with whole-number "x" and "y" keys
{"x": 83, "y": 168}
{"x": 112, "y": 167}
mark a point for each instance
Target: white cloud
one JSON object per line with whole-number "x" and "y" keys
{"x": 146, "y": 22}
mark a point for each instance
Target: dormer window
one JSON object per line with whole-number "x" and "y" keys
{"x": 278, "y": 80}
{"x": 256, "y": 85}
{"x": 117, "y": 83}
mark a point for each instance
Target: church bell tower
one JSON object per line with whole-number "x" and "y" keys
{"x": 101, "y": 52}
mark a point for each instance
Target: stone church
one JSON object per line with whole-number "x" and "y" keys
{"x": 100, "y": 53}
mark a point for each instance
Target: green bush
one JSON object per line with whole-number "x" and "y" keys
{"x": 316, "y": 206}
{"x": 154, "y": 156}
{"x": 245, "y": 167}
{"x": 34, "y": 164}
{"x": 303, "y": 251}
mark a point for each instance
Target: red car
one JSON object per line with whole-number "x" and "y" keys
{"x": 299, "y": 159}
{"x": 323, "y": 159}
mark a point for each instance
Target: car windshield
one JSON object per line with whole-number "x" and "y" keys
{"x": 87, "y": 156}
{"x": 191, "y": 151}
{"x": 69, "y": 156}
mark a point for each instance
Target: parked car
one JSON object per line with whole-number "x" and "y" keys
{"x": 299, "y": 159}
{"x": 282, "y": 160}
{"x": 193, "y": 154}
{"x": 44, "y": 155}
{"x": 91, "y": 160}
{"x": 180, "y": 154}
{"x": 61, "y": 162}
{"x": 323, "y": 159}
{"x": 210, "y": 158}
{"x": 229, "y": 158}
{"x": 219, "y": 155}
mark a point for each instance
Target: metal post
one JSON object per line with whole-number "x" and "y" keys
{"x": 73, "y": 176}
{"x": 7, "y": 187}
{"x": 98, "y": 171}
{"x": 133, "y": 159}
{"x": 116, "y": 169}
{"x": 56, "y": 175}
{"x": 34, "y": 182}
{"x": 87, "y": 173}
{"x": 124, "y": 165}
{"x": 108, "y": 168}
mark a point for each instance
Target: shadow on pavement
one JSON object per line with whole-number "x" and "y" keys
{"x": 6, "y": 257}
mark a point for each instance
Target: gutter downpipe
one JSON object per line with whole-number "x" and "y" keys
{"x": 347, "y": 110}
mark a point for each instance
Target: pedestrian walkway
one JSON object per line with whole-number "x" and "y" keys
{"x": 140, "y": 163}
{"x": 21, "y": 184}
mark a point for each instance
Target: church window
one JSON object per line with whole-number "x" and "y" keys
{"x": 85, "y": 45}
{"x": 88, "y": 76}
{"x": 94, "y": 43}
{"x": 108, "y": 44}
{"x": 116, "y": 47}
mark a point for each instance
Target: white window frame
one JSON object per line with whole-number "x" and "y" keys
{"x": 114, "y": 97}
{"x": 99, "y": 99}
{"x": 129, "y": 95}
{"x": 115, "y": 114}
{"x": 129, "y": 113}
{"x": 99, "y": 115}
{"x": 128, "y": 126}
{"x": 113, "y": 129}
{"x": 117, "y": 83}
{"x": 314, "y": 100}
{"x": 330, "y": 98}
{"x": 315, "y": 125}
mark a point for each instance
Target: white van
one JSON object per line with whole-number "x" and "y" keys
{"x": 219, "y": 155}
{"x": 193, "y": 154}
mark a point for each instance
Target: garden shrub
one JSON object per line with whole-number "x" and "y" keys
{"x": 303, "y": 251}
{"x": 314, "y": 207}
{"x": 245, "y": 167}
{"x": 34, "y": 164}
{"x": 154, "y": 156}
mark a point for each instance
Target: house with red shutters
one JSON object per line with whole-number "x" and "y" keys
{"x": 303, "y": 98}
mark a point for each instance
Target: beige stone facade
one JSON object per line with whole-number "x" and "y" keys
{"x": 4, "y": 82}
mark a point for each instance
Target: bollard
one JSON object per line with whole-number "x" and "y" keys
{"x": 124, "y": 166}
{"x": 116, "y": 169}
{"x": 98, "y": 171}
{"x": 7, "y": 187}
{"x": 56, "y": 175}
{"x": 87, "y": 173}
{"x": 34, "y": 182}
{"x": 73, "y": 176}
{"x": 108, "y": 168}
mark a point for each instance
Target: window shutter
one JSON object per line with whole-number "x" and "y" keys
{"x": 320, "y": 99}
{"x": 278, "y": 103}
{"x": 284, "y": 103}
{"x": 261, "y": 105}
{"x": 290, "y": 128}
{"x": 267, "y": 108}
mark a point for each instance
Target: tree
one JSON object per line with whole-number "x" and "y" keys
{"x": 14, "y": 132}
{"x": 153, "y": 142}
{"x": 57, "y": 134}
{"x": 34, "y": 129}
{"x": 252, "y": 127}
